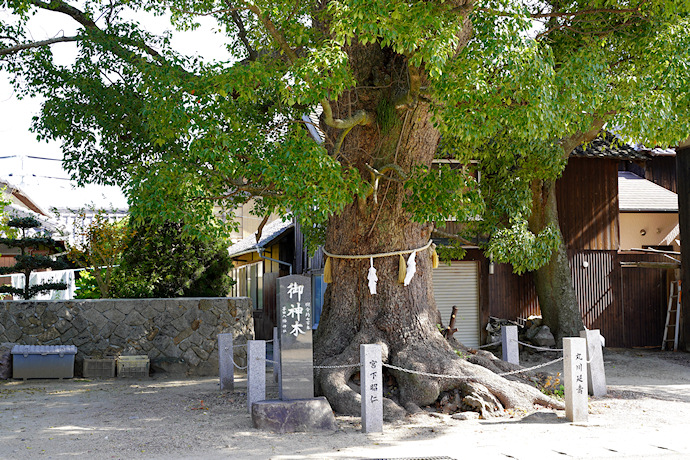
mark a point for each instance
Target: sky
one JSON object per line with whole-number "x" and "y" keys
{"x": 34, "y": 165}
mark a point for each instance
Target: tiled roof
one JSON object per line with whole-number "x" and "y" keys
{"x": 270, "y": 232}
{"x": 608, "y": 146}
{"x": 636, "y": 194}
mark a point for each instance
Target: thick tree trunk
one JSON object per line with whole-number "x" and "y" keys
{"x": 557, "y": 301}
{"x": 403, "y": 319}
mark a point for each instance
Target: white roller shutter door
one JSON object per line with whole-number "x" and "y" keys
{"x": 458, "y": 284}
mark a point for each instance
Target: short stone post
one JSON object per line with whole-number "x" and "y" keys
{"x": 509, "y": 344}
{"x": 276, "y": 356}
{"x": 371, "y": 381}
{"x": 226, "y": 368}
{"x": 575, "y": 379}
{"x": 256, "y": 372}
{"x": 596, "y": 376}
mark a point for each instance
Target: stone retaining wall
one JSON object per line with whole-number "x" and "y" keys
{"x": 178, "y": 335}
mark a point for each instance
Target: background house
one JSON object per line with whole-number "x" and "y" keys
{"x": 616, "y": 292}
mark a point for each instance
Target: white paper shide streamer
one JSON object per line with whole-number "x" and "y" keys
{"x": 372, "y": 277}
{"x": 411, "y": 268}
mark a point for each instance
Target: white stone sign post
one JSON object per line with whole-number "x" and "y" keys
{"x": 596, "y": 376}
{"x": 226, "y": 368}
{"x": 371, "y": 381}
{"x": 256, "y": 372}
{"x": 575, "y": 378}
{"x": 509, "y": 344}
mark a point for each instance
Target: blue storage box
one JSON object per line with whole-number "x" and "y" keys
{"x": 43, "y": 361}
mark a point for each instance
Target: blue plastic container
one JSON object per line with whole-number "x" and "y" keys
{"x": 43, "y": 361}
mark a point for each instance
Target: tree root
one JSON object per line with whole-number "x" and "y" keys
{"x": 481, "y": 389}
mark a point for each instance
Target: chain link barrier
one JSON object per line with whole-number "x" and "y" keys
{"x": 539, "y": 348}
{"x": 339, "y": 366}
{"x": 489, "y": 345}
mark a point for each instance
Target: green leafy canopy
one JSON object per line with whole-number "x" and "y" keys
{"x": 511, "y": 83}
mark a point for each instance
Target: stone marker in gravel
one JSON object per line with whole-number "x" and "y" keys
{"x": 509, "y": 344}
{"x": 596, "y": 376}
{"x": 256, "y": 372}
{"x": 226, "y": 368}
{"x": 371, "y": 380}
{"x": 575, "y": 379}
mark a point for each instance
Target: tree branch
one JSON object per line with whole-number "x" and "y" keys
{"x": 25, "y": 46}
{"x": 570, "y": 143}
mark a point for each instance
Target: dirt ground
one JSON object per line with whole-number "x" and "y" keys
{"x": 645, "y": 415}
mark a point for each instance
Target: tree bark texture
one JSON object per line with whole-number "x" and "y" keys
{"x": 403, "y": 319}
{"x": 553, "y": 282}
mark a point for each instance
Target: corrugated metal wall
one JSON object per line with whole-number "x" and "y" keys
{"x": 458, "y": 285}
{"x": 596, "y": 278}
{"x": 587, "y": 195}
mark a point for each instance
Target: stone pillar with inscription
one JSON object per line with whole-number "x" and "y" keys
{"x": 296, "y": 350}
{"x": 371, "y": 381}
{"x": 509, "y": 341}
{"x": 575, "y": 379}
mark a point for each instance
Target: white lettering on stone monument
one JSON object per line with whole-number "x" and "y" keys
{"x": 294, "y": 288}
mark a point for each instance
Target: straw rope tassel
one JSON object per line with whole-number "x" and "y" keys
{"x": 327, "y": 271}
{"x": 434, "y": 257}
{"x": 402, "y": 269}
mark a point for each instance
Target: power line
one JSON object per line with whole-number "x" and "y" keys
{"x": 43, "y": 158}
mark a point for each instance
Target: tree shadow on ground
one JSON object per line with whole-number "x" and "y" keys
{"x": 541, "y": 417}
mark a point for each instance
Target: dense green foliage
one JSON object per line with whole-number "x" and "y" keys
{"x": 512, "y": 84}
{"x": 98, "y": 246}
{"x": 160, "y": 261}
{"x": 28, "y": 261}
{"x": 87, "y": 286}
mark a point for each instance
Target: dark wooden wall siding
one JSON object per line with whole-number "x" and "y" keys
{"x": 512, "y": 296}
{"x": 644, "y": 299}
{"x": 587, "y": 196}
{"x": 627, "y": 304}
{"x": 662, "y": 171}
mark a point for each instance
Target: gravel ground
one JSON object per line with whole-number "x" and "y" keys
{"x": 645, "y": 415}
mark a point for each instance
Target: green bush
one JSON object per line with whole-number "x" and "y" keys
{"x": 163, "y": 261}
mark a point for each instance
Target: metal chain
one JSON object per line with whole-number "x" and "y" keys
{"x": 341, "y": 366}
{"x": 539, "y": 348}
{"x": 239, "y": 367}
{"x": 426, "y": 374}
{"x": 462, "y": 377}
{"x": 519, "y": 371}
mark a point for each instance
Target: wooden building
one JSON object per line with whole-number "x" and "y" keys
{"x": 616, "y": 295}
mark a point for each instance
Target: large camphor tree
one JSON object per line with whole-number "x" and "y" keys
{"x": 515, "y": 85}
